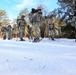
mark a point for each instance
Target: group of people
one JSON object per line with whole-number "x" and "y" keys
{"x": 35, "y": 16}
{"x": 7, "y": 32}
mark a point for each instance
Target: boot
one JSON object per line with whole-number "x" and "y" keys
{"x": 36, "y": 40}
{"x": 21, "y": 39}
{"x": 52, "y": 39}
{"x": 4, "y": 37}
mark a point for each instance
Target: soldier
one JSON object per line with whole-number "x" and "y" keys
{"x": 21, "y": 25}
{"x": 4, "y": 31}
{"x": 35, "y": 19}
{"x": 30, "y": 32}
{"x": 51, "y": 27}
{"x": 9, "y": 31}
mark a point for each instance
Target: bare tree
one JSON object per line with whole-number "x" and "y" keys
{"x": 24, "y": 12}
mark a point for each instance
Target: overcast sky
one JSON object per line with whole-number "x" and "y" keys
{"x": 13, "y": 7}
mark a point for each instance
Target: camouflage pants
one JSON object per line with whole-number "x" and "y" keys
{"x": 51, "y": 33}
{"x": 4, "y": 35}
{"x": 21, "y": 32}
{"x": 37, "y": 30}
{"x": 10, "y": 35}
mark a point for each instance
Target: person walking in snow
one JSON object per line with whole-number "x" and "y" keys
{"x": 4, "y": 32}
{"x": 30, "y": 32}
{"x": 51, "y": 27}
{"x": 35, "y": 19}
{"x": 21, "y": 25}
{"x": 9, "y": 32}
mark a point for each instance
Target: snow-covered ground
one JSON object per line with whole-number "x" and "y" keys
{"x": 43, "y": 58}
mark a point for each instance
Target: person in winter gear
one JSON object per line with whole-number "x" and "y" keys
{"x": 9, "y": 32}
{"x": 30, "y": 32}
{"x": 4, "y": 31}
{"x": 35, "y": 18}
{"x": 21, "y": 25}
{"x": 51, "y": 27}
